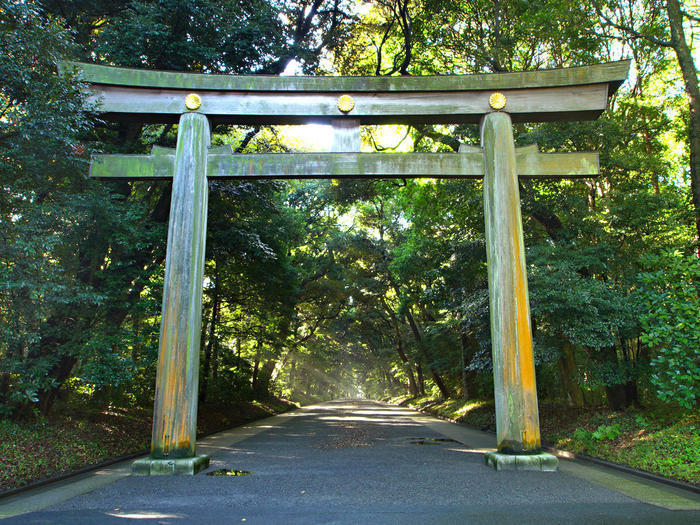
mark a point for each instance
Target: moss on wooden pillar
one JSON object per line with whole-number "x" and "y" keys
{"x": 177, "y": 379}
{"x": 517, "y": 418}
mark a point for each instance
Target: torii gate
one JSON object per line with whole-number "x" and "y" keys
{"x": 198, "y": 101}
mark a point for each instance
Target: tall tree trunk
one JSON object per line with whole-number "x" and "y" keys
{"x": 620, "y": 395}
{"x": 469, "y": 346}
{"x": 421, "y": 380}
{"x": 567, "y": 370}
{"x": 4, "y": 386}
{"x": 281, "y": 363}
{"x": 444, "y": 391}
{"x": 307, "y": 382}
{"x": 412, "y": 387}
{"x": 649, "y": 151}
{"x": 264, "y": 375}
{"x": 292, "y": 377}
{"x": 90, "y": 257}
{"x": 692, "y": 88}
{"x": 206, "y": 362}
{"x": 215, "y": 362}
{"x": 61, "y": 373}
{"x": 463, "y": 367}
{"x": 211, "y": 342}
{"x": 14, "y": 351}
{"x": 256, "y": 365}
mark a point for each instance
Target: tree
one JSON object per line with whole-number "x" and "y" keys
{"x": 672, "y": 325}
{"x": 100, "y": 269}
{"x": 43, "y": 204}
{"x": 662, "y": 23}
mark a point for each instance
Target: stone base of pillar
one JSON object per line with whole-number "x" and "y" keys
{"x": 158, "y": 467}
{"x": 542, "y": 461}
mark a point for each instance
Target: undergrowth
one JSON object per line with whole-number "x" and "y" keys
{"x": 662, "y": 440}
{"x": 78, "y": 436}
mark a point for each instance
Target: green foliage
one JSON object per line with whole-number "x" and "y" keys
{"x": 590, "y": 442}
{"x": 243, "y": 37}
{"x": 591, "y": 313}
{"x": 607, "y": 432}
{"x": 671, "y": 323}
{"x": 232, "y": 382}
{"x": 671, "y": 452}
{"x": 82, "y": 259}
{"x": 662, "y": 441}
{"x": 498, "y": 36}
{"x": 37, "y": 173}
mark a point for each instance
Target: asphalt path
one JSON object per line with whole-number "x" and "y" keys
{"x": 350, "y": 462}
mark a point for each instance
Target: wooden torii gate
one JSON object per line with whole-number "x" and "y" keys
{"x": 196, "y": 102}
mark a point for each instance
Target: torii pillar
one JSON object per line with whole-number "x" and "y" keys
{"x": 515, "y": 391}
{"x": 177, "y": 377}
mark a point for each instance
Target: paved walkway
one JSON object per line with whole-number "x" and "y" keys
{"x": 351, "y": 462}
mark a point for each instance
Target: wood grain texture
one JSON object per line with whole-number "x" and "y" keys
{"x": 177, "y": 377}
{"x": 531, "y": 163}
{"x": 613, "y": 73}
{"x": 517, "y": 417}
{"x": 578, "y": 102}
{"x": 341, "y": 165}
{"x": 346, "y": 135}
{"x": 132, "y": 166}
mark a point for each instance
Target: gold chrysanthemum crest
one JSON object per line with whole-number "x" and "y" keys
{"x": 193, "y": 101}
{"x": 497, "y": 101}
{"x": 346, "y": 103}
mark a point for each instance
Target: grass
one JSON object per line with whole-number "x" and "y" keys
{"x": 76, "y": 436}
{"x": 644, "y": 439}
{"x": 662, "y": 440}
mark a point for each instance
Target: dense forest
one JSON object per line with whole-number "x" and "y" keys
{"x": 320, "y": 289}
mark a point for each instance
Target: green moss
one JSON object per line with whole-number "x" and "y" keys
{"x": 612, "y": 72}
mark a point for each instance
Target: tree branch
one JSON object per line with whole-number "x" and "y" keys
{"x": 246, "y": 140}
{"x": 405, "y": 24}
{"x": 451, "y": 142}
{"x": 630, "y": 30}
{"x": 690, "y": 16}
{"x": 379, "y": 48}
{"x": 7, "y": 107}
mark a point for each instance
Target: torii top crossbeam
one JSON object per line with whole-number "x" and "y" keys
{"x": 578, "y": 93}
{"x": 159, "y": 96}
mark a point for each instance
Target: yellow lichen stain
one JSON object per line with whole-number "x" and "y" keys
{"x": 513, "y": 351}
{"x": 530, "y": 437}
{"x": 525, "y": 358}
{"x": 172, "y": 382}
